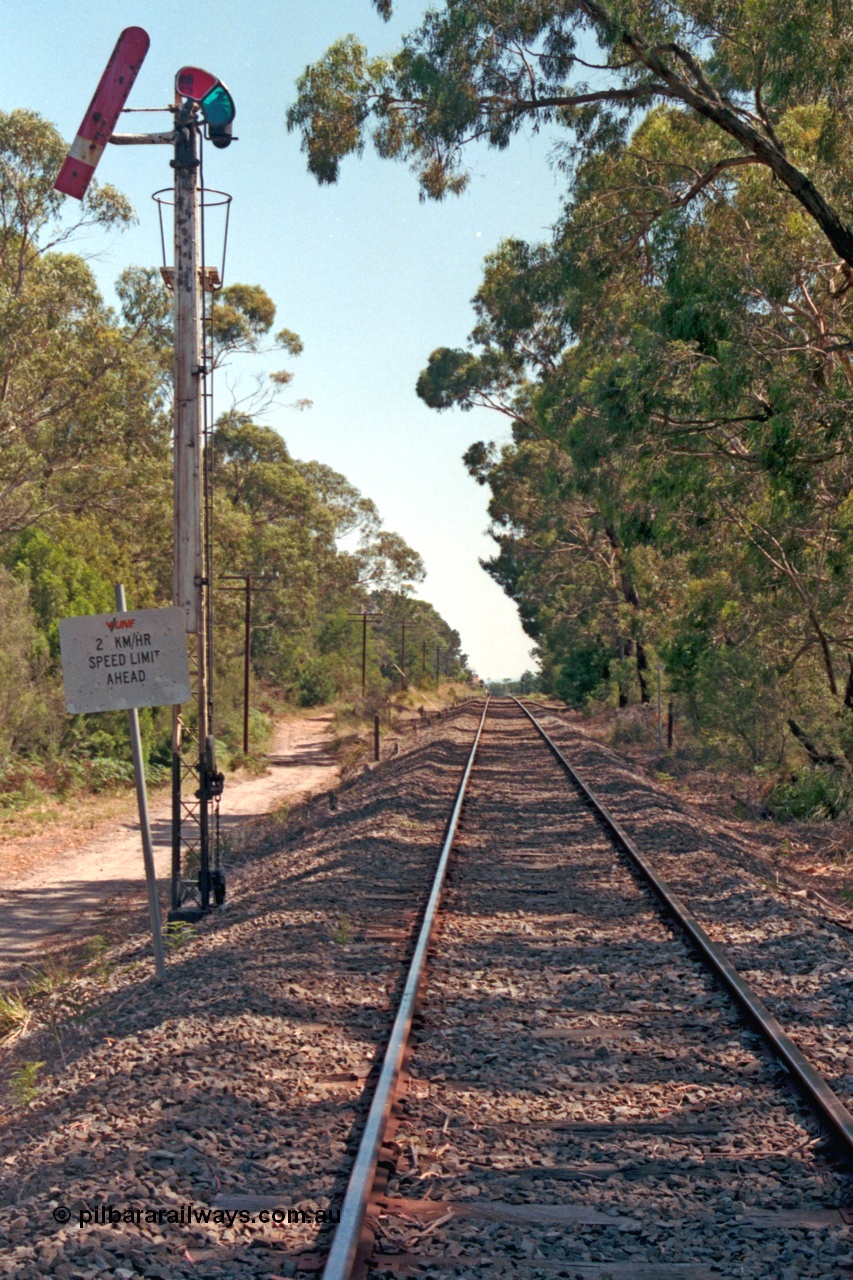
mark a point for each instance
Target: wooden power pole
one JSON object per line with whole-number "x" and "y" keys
{"x": 248, "y": 580}
{"x": 403, "y": 659}
{"x": 365, "y": 616}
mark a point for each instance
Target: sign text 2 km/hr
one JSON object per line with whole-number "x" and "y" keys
{"x": 114, "y": 661}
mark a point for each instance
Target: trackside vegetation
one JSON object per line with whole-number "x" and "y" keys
{"x": 674, "y": 361}
{"x": 86, "y": 501}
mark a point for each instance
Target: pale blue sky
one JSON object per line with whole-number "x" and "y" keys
{"x": 370, "y": 278}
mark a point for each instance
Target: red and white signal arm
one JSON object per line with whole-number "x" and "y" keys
{"x": 104, "y": 110}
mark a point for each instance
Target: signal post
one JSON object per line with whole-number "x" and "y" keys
{"x": 197, "y": 784}
{"x": 191, "y": 790}
{"x": 203, "y": 105}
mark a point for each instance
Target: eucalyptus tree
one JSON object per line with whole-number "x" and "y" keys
{"x": 317, "y": 542}
{"x": 690, "y": 387}
{"x": 483, "y": 70}
{"x": 75, "y": 385}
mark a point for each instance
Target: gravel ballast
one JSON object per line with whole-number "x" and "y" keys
{"x": 583, "y": 1100}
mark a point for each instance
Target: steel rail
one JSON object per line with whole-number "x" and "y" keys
{"x": 821, "y": 1095}
{"x": 345, "y": 1243}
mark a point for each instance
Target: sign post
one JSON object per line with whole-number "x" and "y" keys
{"x": 122, "y": 661}
{"x": 145, "y": 820}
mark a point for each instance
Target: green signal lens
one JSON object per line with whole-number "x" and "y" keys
{"x": 218, "y": 107}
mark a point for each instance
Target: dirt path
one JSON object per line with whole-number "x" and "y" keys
{"x": 66, "y": 884}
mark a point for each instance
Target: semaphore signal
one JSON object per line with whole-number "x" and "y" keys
{"x": 213, "y": 99}
{"x": 203, "y": 108}
{"x": 103, "y": 112}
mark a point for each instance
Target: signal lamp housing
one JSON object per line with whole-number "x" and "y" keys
{"x": 214, "y": 101}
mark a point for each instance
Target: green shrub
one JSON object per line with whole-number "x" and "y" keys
{"x": 24, "y": 783}
{"x": 178, "y": 933}
{"x": 581, "y": 675}
{"x": 737, "y": 705}
{"x": 27, "y": 699}
{"x": 316, "y": 684}
{"x": 105, "y": 773}
{"x": 814, "y": 795}
{"x": 23, "y": 1083}
{"x": 633, "y": 725}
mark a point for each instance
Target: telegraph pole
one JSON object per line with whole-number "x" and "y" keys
{"x": 407, "y": 626}
{"x": 660, "y": 719}
{"x": 247, "y": 651}
{"x": 363, "y": 654}
{"x": 247, "y": 664}
{"x": 364, "y": 615}
{"x": 248, "y": 579}
{"x": 403, "y": 658}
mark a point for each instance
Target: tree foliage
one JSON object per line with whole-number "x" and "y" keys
{"x": 679, "y": 479}
{"x": 674, "y": 364}
{"x": 480, "y": 70}
{"x": 86, "y": 484}
{"x": 74, "y": 395}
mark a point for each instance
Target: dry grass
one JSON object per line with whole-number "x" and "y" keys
{"x": 27, "y": 835}
{"x": 14, "y": 1016}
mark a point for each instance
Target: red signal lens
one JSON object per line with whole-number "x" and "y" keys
{"x": 194, "y": 83}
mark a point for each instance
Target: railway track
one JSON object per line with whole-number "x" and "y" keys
{"x": 578, "y": 1094}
